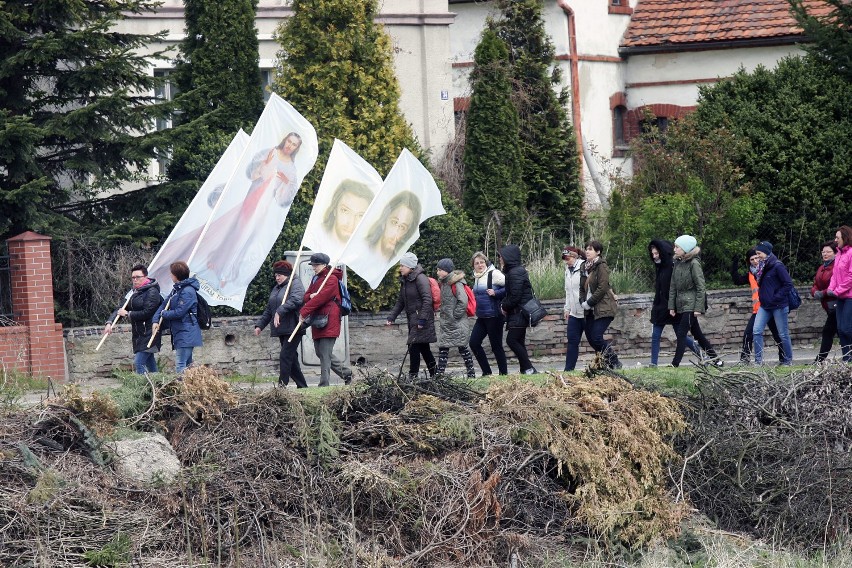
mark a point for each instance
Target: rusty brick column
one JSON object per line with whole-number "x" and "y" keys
{"x": 32, "y": 303}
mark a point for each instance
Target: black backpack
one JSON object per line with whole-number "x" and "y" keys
{"x": 202, "y": 314}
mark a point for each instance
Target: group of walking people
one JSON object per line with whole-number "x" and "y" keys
{"x": 500, "y": 293}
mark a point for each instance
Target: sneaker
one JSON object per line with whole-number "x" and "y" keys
{"x": 530, "y": 371}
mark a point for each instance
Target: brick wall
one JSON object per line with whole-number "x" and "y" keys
{"x": 35, "y": 346}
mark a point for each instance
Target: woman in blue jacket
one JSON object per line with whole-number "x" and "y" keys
{"x": 488, "y": 287}
{"x": 774, "y": 286}
{"x": 179, "y": 311}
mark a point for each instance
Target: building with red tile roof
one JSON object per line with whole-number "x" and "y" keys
{"x": 623, "y": 59}
{"x": 675, "y": 25}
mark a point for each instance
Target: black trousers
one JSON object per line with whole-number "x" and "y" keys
{"x": 416, "y": 351}
{"x": 493, "y": 329}
{"x": 686, "y": 323}
{"x": 516, "y": 339}
{"x": 288, "y": 362}
{"x": 829, "y": 330}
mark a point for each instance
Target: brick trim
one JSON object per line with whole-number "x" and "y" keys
{"x": 32, "y": 297}
{"x": 621, "y": 9}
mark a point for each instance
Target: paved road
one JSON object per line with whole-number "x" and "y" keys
{"x": 801, "y": 356}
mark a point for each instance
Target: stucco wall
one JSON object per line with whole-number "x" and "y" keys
{"x": 232, "y": 347}
{"x": 419, "y": 31}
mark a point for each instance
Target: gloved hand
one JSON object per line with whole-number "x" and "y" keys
{"x": 830, "y": 294}
{"x": 818, "y": 295}
{"x": 586, "y": 306}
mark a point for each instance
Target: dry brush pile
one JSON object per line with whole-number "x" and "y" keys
{"x": 772, "y": 455}
{"x": 381, "y": 474}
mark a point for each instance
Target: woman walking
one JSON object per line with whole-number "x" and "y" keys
{"x": 598, "y": 303}
{"x": 179, "y": 312}
{"x": 662, "y": 255}
{"x": 821, "y": 282}
{"x": 840, "y": 289}
{"x": 415, "y": 297}
{"x": 453, "y": 325}
{"x": 575, "y": 316}
{"x": 285, "y": 317}
{"x": 140, "y": 310}
{"x": 750, "y": 278}
{"x": 688, "y": 298}
{"x": 518, "y": 292}
{"x": 322, "y": 301}
{"x": 774, "y": 287}
{"x": 488, "y": 289}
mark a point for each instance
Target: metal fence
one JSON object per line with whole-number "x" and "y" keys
{"x": 6, "y": 315}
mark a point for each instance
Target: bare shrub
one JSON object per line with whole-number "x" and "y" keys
{"x": 770, "y": 455}
{"x": 91, "y": 279}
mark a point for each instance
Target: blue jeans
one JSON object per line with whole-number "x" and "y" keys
{"x": 145, "y": 362}
{"x": 760, "y": 321}
{"x": 183, "y": 358}
{"x": 575, "y": 328}
{"x": 844, "y": 326}
{"x": 657, "y": 334}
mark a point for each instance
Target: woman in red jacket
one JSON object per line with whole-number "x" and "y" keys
{"x": 821, "y": 281}
{"x": 324, "y": 300}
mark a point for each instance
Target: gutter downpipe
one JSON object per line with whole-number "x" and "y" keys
{"x": 574, "y": 65}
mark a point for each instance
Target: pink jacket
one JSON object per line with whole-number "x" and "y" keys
{"x": 841, "y": 278}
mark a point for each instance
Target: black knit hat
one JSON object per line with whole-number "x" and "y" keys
{"x": 765, "y": 247}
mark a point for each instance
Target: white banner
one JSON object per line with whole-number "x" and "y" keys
{"x": 250, "y": 212}
{"x": 183, "y": 237}
{"x": 390, "y": 226}
{"x": 349, "y": 184}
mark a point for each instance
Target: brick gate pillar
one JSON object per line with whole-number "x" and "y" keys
{"x": 32, "y": 303}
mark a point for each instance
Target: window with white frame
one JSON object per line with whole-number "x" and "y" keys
{"x": 166, "y": 90}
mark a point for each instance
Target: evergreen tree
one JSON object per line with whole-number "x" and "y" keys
{"x": 219, "y": 90}
{"x": 831, "y": 34}
{"x": 336, "y": 68}
{"x": 217, "y": 73}
{"x": 70, "y": 106}
{"x": 492, "y": 156}
{"x": 549, "y": 160}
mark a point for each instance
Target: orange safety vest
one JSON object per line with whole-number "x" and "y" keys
{"x": 755, "y": 297}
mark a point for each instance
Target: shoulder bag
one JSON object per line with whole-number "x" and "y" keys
{"x": 534, "y": 310}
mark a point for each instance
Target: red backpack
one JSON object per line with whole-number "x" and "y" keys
{"x": 471, "y": 301}
{"x": 435, "y": 288}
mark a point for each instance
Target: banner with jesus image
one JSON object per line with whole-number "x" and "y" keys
{"x": 237, "y": 236}
{"x": 391, "y": 225}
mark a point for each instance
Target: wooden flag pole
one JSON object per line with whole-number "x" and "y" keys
{"x": 159, "y": 323}
{"x": 127, "y": 301}
{"x": 290, "y": 280}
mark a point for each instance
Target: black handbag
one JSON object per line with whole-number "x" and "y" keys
{"x": 317, "y": 321}
{"x": 534, "y": 310}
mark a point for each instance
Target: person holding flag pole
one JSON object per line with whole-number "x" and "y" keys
{"x": 142, "y": 302}
{"x": 182, "y": 317}
{"x": 322, "y": 312}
